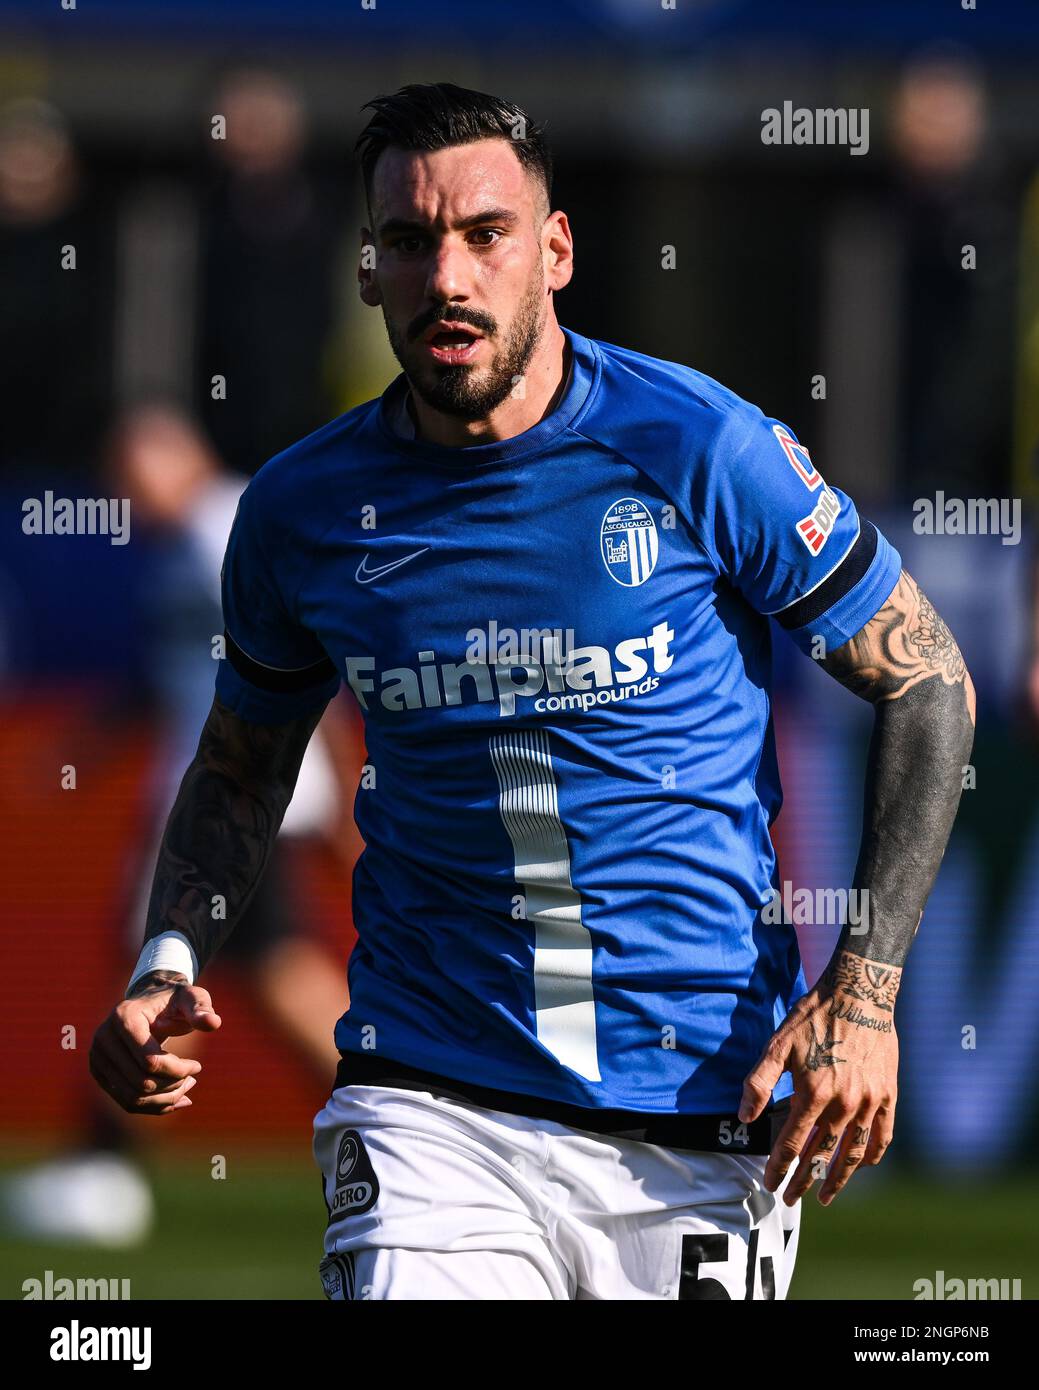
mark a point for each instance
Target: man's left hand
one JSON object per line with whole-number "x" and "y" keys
{"x": 839, "y": 1043}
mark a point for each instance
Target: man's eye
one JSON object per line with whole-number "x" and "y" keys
{"x": 490, "y": 232}
{"x": 408, "y": 244}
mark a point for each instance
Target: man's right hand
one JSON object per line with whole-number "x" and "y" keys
{"x": 127, "y": 1058}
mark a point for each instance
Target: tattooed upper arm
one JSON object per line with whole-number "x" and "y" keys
{"x": 905, "y": 643}
{"x": 264, "y": 756}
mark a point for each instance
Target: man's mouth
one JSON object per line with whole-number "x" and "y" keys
{"x": 451, "y": 342}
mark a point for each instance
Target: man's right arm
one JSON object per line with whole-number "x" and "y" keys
{"x": 223, "y": 825}
{"x": 217, "y": 840}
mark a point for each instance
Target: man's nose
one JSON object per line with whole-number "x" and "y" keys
{"x": 449, "y": 273}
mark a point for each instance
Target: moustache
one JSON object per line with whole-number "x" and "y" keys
{"x": 481, "y": 324}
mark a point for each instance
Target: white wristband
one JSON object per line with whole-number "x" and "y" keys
{"x": 170, "y": 950}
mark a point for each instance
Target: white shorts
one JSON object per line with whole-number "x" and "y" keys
{"x": 431, "y": 1198}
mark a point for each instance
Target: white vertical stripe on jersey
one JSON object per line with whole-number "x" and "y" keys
{"x": 563, "y": 1000}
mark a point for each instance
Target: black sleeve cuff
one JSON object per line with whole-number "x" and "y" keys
{"x": 836, "y": 584}
{"x": 271, "y": 677}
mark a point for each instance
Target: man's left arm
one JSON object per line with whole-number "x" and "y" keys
{"x": 839, "y": 1040}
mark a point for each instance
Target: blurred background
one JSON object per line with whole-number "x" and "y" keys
{"x": 207, "y": 317}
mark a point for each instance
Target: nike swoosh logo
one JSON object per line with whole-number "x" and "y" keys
{"x": 365, "y": 575}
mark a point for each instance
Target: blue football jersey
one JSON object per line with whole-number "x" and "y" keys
{"x": 561, "y": 647}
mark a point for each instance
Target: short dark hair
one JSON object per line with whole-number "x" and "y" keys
{"x": 436, "y": 115}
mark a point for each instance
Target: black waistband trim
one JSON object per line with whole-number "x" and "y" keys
{"x": 721, "y": 1133}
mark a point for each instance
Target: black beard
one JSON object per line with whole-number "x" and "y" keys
{"x": 456, "y": 392}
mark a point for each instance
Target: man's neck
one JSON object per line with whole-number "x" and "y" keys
{"x": 544, "y": 383}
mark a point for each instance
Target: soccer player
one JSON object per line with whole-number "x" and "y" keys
{"x": 579, "y": 1061}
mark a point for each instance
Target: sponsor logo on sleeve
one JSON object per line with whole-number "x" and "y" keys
{"x": 814, "y": 529}
{"x": 799, "y": 458}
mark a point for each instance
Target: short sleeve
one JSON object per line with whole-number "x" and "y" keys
{"x": 274, "y": 669}
{"x": 793, "y": 546}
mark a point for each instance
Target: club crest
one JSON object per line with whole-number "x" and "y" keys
{"x": 629, "y": 542}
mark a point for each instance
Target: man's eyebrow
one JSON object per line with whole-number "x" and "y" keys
{"x": 394, "y": 225}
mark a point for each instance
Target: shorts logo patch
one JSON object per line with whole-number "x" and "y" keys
{"x": 337, "y": 1277}
{"x": 346, "y": 1159}
{"x": 357, "y": 1187}
{"x": 629, "y": 542}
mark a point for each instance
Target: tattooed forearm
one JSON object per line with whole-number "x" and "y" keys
{"x": 861, "y": 992}
{"x": 850, "y": 1013}
{"x": 223, "y": 824}
{"x": 864, "y": 980}
{"x": 907, "y": 662}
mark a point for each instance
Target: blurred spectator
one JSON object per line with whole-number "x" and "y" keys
{"x": 951, "y": 190}
{"x": 269, "y": 243}
{"x": 55, "y": 341}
